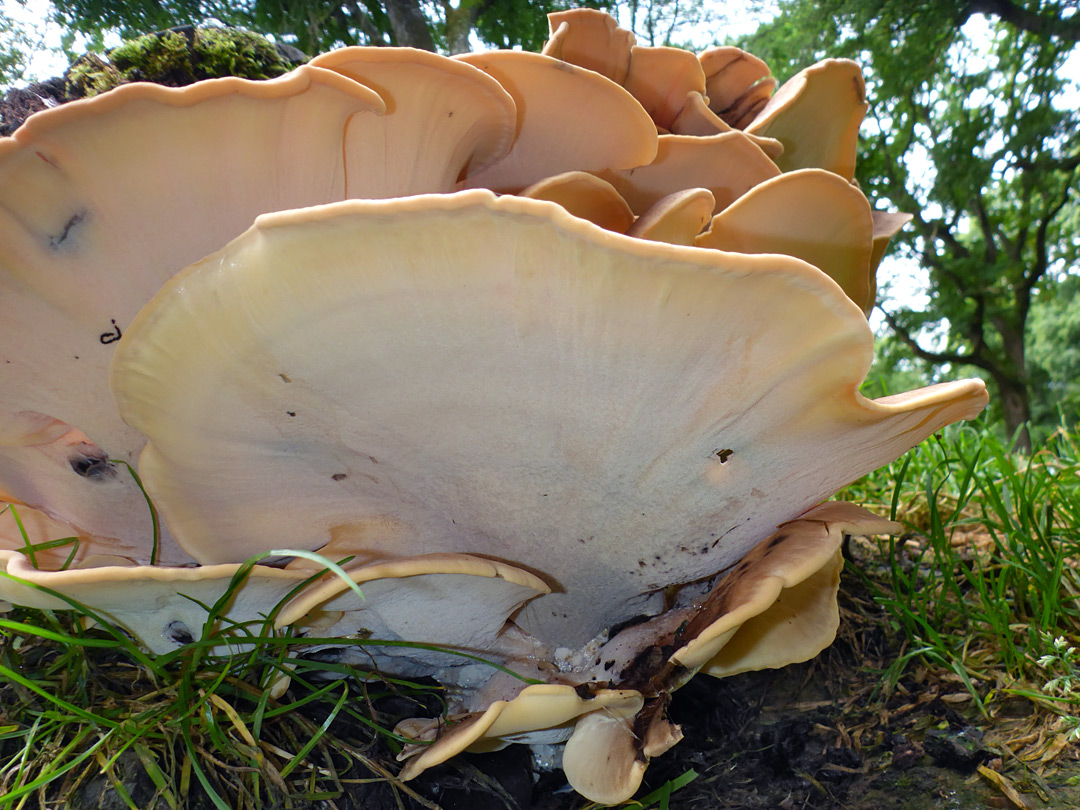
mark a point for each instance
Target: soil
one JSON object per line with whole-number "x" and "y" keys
{"x": 817, "y": 736}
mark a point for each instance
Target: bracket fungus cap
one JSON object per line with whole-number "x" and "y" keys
{"x": 500, "y": 396}
{"x": 567, "y": 119}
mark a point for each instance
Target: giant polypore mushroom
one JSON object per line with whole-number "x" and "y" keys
{"x": 584, "y": 433}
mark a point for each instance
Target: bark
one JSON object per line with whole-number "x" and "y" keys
{"x": 459, "y": 23}
{"x": 409, "y": 25}
{"x": 1016, "y": 409}
{"x": 1013, "y": 387}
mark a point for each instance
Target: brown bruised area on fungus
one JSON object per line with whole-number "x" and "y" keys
{"x": 583, "y": 433}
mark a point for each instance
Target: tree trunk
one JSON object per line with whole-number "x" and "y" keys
{"x": 1012, "y": 385}
{"x": 459, "y": 23}
{"x": 409, "y": 25}
{"x": 1016, "y": 408}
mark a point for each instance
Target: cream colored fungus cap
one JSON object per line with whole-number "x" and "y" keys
{"x": 518, "y": 384}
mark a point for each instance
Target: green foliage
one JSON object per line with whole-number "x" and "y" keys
{"x": 971, "y": 129}
{"x": 1054, "y": 353}
{"x": 1062, "y": 664}
{"x": 15, "y": 46}
{"x": 985, "y": 578}
{"x": 91, "y": 74}
{"x": 315, "y": 27}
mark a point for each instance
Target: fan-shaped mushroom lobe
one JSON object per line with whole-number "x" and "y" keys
{"x": 729, "y": 74}
{"x": 728, "y": 165}
{"x": 534, "y": 708}
{"x": 661, "y": 79}
{"x": 101, "y": 201}
{"x": 443, "y": 118}
{"x": 568, "y": 118}
{"x": 590, "y": 39}
{"x": 816, "y": 116}
{"x": 811, "y": 214}
{"x": 586, "y": 196}
{"x": 518, "y": 384}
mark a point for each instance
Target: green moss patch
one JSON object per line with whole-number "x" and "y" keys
{"x": 176, "y": 58}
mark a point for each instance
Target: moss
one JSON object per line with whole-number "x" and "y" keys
{"x": 89, "y": 75}
{"x": 164, "y": 58}
{"x": 176, "y": 58}
{"x": 233, "y": 52}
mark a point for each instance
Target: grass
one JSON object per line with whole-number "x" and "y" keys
{"x": 79, "y": 702}
{"x": 983, "y": 586}
{"x": 79, "y": 698}
{"x": 985, "y": 582}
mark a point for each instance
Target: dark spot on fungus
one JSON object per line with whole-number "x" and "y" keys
{"x": 723, "y": 455}
{"x": 339, "y": 476}
{"x": 92, "y": 463}
{"x": 56, "y": 241}
{"x": 780, "y": 538}
{"x": 291, "y": 413}
{"x": 641, "y": 670}
{"x": 111, "y": 336}
{"x": 618, "y": 628}
{"x": 178, "y": 633}
{"x": 285, "y": 378}
{"x": 584, "y": 692}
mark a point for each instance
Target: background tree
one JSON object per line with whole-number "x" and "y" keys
{"x": 974, "y": 130}
{"x": 315, "y": 26}
{"x": 16, "y": 43}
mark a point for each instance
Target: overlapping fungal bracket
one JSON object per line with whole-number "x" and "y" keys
{"x": 612, "y": 397}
